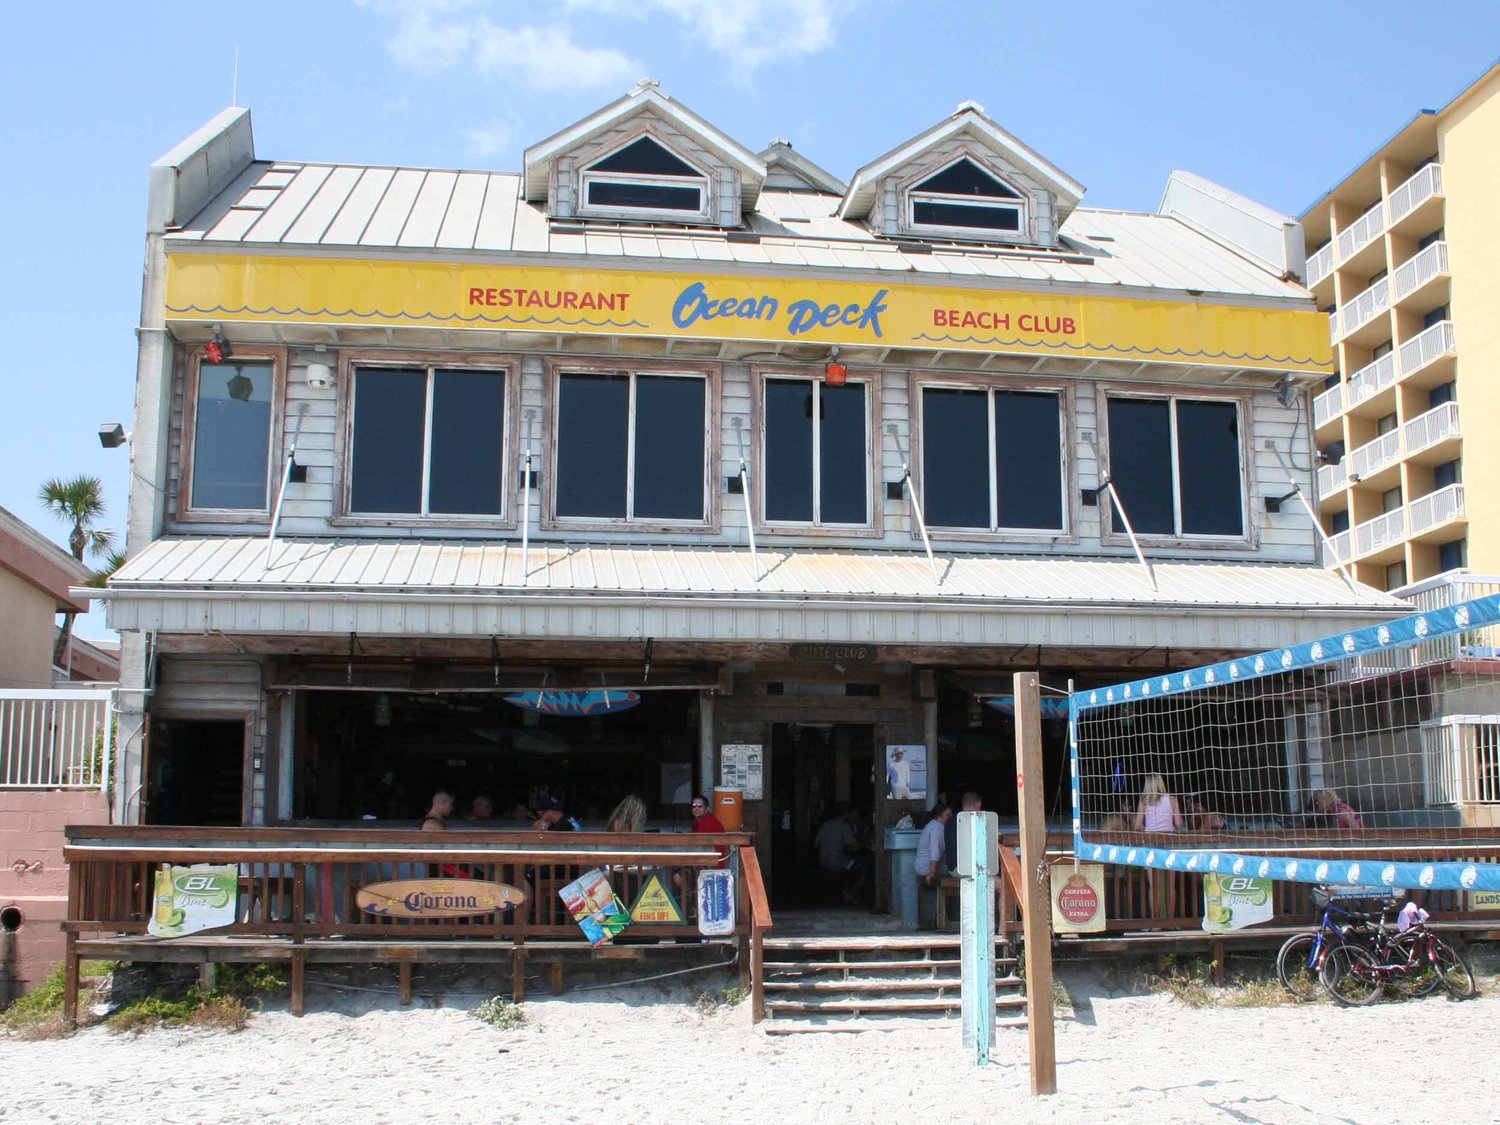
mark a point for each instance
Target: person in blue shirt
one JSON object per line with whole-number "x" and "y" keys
{"x": 972, "y": 802}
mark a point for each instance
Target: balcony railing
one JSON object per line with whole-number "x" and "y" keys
{"x": 1379, "y": 533}
{"x": 1426, "y": 430}
{"x": 1342, "y": 542}
{"x": 1320, "y": 265}
{"x": 1370, "y": 458}
{"x": 1424, "y": 183}
{"x": 1359, "y": 234}
{"x": 1328, "y": 405}
{"x": 1371, "y": 379}
{"x": 1426, "y": 346}
{"x": 1421, "y": 268}
{"x": 1332, "y": 478}
{"x": 1361, "y": 310}
{"x": 57, "y": 738}
{"x": 1436, "y": 508}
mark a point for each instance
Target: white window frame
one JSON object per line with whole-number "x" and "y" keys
{"x": 708, "y": 376}
{"x": 431, "y": 364}
{"x": 703, "y": 181}
{"x": 1064, "y": 438}
{"x": 915, "y": 195}
{"x": 1243, "y": 413}
{"x": 871, "y": 526}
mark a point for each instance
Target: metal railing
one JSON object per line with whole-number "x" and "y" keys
{"x": 1331, "y": 479}
{"x": 1380, "y": 532}
{"x": 1360, "y": 233}
{"x": 1341, "y": 542}
{"x": 1421, "y": 268}
{"x": 58, "y": 738}
{"x": 1361, "y": 310}
{"x": 1436, "y": 508}
{"x": 1426, "y": 430}
{"x": 1320, "y": 265}
{"x": 1373, "y": 456}
{"x": 1426, "y": 346}
{"x": 1423, "y": 184}
{"x": 1372, "y": 378}
{"x": 1461, "y": 760}
{"x": 1328, "y": 405}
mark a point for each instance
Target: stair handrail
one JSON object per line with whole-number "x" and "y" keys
{"x": 1010, "y": 886}
{"x": 760, "y": 922}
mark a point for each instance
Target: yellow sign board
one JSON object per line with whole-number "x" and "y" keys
{"x": 437, "y": 898}
{"x": 1484, "y": 900}
{"x": 656, "y": 904}
{"x": 549, "y": 299}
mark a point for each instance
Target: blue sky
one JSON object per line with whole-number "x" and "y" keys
{"x": 1265, "y": 98}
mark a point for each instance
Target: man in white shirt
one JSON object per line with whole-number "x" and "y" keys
{"x": 929, "y": 860}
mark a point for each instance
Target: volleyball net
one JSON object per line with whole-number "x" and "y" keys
{"x": 1369, "y": 758}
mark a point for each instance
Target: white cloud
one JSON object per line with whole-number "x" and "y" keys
{"x": 492, "y": 139}
{"x": 750, "y": 33}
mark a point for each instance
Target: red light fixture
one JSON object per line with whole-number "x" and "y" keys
{"x": 217, "y": 350}
{"x": 834, "y": 372}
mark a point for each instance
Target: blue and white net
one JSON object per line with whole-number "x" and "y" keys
{"x": 1369, "y": 758}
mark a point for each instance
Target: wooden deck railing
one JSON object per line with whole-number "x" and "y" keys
{"x": 752, "y": 970}
{"x": 298, "y": 887}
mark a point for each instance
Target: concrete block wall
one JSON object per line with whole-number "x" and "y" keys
{"x": 34, "y": 880}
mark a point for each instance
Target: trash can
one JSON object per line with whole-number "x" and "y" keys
{"x": 901, "y": 846}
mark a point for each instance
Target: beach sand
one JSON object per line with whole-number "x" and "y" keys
{"x": 646, "y": 1055}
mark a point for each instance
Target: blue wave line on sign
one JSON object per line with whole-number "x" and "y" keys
{"x": 379, "y": 314}
{"x": 996, "y": 341}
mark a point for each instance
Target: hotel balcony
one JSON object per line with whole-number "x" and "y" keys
{"x": 1332, "y": 478}
{"x": 1432, "y": 515}
{"x": 1433, "y": 437}
{"x": 1361, "y": 313}
{"x": 1328, "y": 406}
{"x": 1380, "y": 533}
{"x": 1320, "y": 266}
{"x": 1366, "y": 385}
{"x": 1341, "y": 544}
{"x": 1417, "y": 203}
{"x": 1419, "y": 280}
{"x": 1358, "y": 245}
{"x": 1427, "y": 358}
{"x": 1371, "y": 462}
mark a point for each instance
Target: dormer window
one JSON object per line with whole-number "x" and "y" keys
{"x": 642, "y": 180}
{"x": 966, "y": 200}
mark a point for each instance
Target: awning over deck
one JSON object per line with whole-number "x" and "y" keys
{"x": 703, "y": 593}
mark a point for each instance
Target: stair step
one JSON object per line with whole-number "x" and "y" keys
{"x": 874, "y": 966}
{"x": 881, "y": 1005}
{"x": 856, "y": 1023}
{"x": 870, "y": 942}
{"x": 878, "y": 984}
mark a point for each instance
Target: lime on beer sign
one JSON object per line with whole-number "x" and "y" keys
{"x": 190, "y": 899}
{"x": 1232, "y": 902}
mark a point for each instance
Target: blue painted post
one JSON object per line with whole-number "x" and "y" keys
{"x": 978, "y": 862}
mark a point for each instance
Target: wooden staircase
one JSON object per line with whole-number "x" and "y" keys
{"x": 877, "y": 982}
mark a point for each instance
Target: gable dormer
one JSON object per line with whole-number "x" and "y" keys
{"x": 788, "y": 170}
{"x": 644, "y": 159}
{"x": 964, "y": 180}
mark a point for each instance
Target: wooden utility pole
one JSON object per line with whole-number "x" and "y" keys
{"x": 1034, "y": 889}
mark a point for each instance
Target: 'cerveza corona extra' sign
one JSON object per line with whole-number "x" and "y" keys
{"x": 551, "y": 299}
{"x": 437, "y": 898}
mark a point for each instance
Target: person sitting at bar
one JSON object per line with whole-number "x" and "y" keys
{"x": 1335, "y": 811}
{"x": 629, "y": 816}
{"x": 482, "y": 808}
{"x": 1121, "y": 819}
{"x": 1199, "y": 816}
{"x": 838, "y": 852}
{"x": 703, "y": 818}
{"x": 928, "y": 861}
{"x": 971, "y": 802}
{"x": 438, "y": 812}
{"x": 551, "y": 817}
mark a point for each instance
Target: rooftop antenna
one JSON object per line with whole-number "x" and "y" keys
{"x": 234, "y": 83}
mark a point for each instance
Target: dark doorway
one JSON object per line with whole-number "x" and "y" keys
{"x": 816, "y": 768}
{"x": 196, "y": 772}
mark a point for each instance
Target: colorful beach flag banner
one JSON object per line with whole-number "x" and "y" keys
{"x": 595, "y": 907}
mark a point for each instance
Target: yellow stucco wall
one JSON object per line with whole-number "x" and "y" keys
{"x": 1469, "y": 146}
{"x": 27, "y": 631}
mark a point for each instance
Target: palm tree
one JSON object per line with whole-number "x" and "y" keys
{"x": 112, "y": 562}
{"x": 80, "y": 502}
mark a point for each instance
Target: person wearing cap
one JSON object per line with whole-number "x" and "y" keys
{"x": 552, "y": 818}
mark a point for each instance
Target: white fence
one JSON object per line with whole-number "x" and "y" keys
{"x": 1461, "y": 760}
{"x": 61, "y": 738}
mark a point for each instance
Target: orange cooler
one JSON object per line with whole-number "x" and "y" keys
{"x": 729, "y": 807}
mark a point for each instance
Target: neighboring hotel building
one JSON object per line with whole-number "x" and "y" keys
{"x": 1405, "y": 256}
{"x": 718, "y": 366}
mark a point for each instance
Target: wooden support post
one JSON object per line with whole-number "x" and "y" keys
{"x": 557, "y": 978}
{"x": 208, "y": 975}
{"x": 70, "y": 980}
{"x": 404, "y": 975}
{"x": 1220, "y": 957}
{"x": 1036, "y": 909}
{"x": 518, "y": 975}
{"x": 299, "y": 963}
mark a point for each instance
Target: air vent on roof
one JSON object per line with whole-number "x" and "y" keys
{"x": 741, "y": 236}
{"x": 1100, "y": 237}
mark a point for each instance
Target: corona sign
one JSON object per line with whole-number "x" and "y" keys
{"x": 438, "y": 898}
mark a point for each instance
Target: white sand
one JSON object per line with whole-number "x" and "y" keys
{"x": 597, "y": 1058}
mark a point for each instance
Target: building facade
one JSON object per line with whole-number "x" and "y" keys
{"x": 764, "y": 473}
{"x": 1403, "y": 258}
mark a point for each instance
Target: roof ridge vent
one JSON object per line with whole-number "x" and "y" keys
{"x": 647, "y": 84}
{"x": 779, "y": 141}
{"x": 968, "y": 105}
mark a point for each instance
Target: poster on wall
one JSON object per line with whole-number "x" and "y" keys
{"x": 676, "y": 783}
{"x": 1078, "y": 898}
{"x": 190, "y": 899}
{"x": 595, "y": 907}
{"x": 742, "y": 767}
{"x": 715, "y": 903}
{"x": 906, "y": 773}
{"x": 1232, "y": 902}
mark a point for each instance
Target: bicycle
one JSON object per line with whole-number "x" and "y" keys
{"x": 1413, "y": 961}
{"x": 1300, "y": 961}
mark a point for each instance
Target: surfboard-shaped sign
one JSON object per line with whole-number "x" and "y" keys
{"x": 438, "y": 898}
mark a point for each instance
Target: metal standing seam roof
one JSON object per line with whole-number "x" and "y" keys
{"x": 236, "y": 565}
{"x": 357, "y": 208}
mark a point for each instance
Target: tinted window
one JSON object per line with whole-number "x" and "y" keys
{"x": 842, "y": 456}
{"x": 955, "y": 457}
{"x": 232, "y": 436}
{"x": 468, "y": 441}
{"x": 1338, "y": 521}
{"x": 645, "y": 157}
{"x": 1445, "y": 474}
{"x": 1140, "y": 462}
{"x": 1028, "y": 459}
{"x": 788, "y": 470}
{"x": 964, "y": 215}
{"x": 966, "y": 178}
{"x": 1452, "y": 554}
{"x": 669, "y": 438}
{"x": 592, "y": 415}
{"x": 1208, "y": 460}
{"x": 390, "y": 408}
{"x": 656, "y": 197}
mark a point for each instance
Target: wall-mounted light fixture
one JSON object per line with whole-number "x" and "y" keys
{"x": 112, "y": 435}
{"x": 319, "y": 376}
{"x": 834, "y": 372}
{"x": 217, "y": 350}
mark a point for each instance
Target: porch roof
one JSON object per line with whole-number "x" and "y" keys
{"x": 712, "y": 593}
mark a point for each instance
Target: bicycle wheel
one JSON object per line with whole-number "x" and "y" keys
{"x": 1452, "y": 968}
{"x": 1295, "y": 968}
{"x": 1352, "y": 975}
{"x": 1415, "y": 975}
